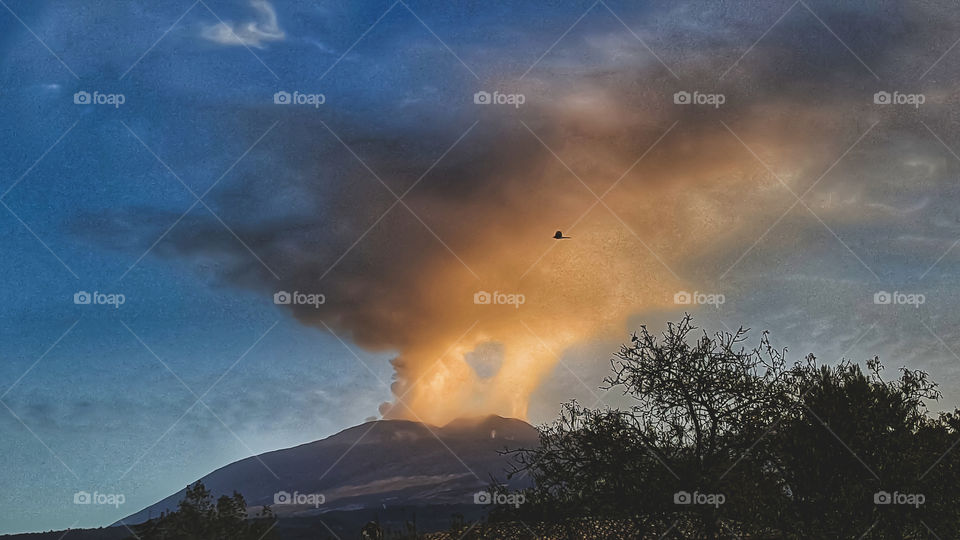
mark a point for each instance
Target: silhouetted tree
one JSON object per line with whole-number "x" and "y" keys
{"x": 371, "y": 531}
{"x": 855, "y": 437}
{"x": 198, "y": 517}
{"x": 797, "y": 451}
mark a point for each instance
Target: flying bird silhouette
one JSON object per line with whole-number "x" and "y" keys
{"x": 558, "y": 235}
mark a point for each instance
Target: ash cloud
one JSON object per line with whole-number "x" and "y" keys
{"x": 482, "y": 218}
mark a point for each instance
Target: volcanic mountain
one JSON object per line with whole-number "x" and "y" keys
{"x": 375, "y": 465}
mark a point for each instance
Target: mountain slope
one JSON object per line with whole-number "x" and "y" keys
{"x": 373, "y": 465}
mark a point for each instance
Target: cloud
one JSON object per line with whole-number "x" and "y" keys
{"x": 251, "y": 34}
{"x": 494, "y": 201}
{"x": 483, "y": 218}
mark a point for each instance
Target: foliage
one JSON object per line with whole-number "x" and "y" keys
{"x": 801, "y": 451}
{"x": 198, "y": 517}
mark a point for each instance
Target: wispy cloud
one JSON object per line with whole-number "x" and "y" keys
{"x": 251, "y": 34}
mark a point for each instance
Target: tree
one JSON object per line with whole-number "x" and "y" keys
{"x": 854, "y": 436}
{"x": 702, "y": 402}
{"x": 699, "y": 403}
{"x": 801, "y": 451}
{"x": 198, "y": 518}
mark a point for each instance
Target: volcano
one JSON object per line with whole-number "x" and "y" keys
{"x": 375, "y": 465}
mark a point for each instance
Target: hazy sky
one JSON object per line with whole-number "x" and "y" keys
{"x": 794, "y": 160}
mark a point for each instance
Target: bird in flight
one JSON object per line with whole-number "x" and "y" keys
{"x": 558, "y": 235}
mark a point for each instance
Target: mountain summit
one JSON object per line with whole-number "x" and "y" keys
{"x": 376, "y": 464}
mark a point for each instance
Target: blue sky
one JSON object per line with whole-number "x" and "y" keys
{"x": 798, "y": 200}
{"x": 99, "y": 400}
